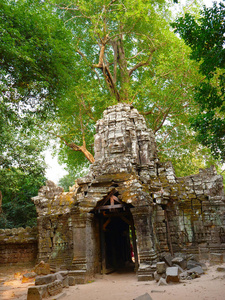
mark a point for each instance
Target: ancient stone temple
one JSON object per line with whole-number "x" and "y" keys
{"x": 130, "y": 206}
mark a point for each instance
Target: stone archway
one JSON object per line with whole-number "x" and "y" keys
{"x": 118, "y": 247}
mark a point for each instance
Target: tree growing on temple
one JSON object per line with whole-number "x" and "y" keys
{"x": 79, "y": 57}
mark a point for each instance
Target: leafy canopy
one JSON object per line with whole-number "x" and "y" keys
{"x": 17, "y": 188}
{"x": 37, "y": 59}
{"x": 206, "y": 37}
{"x": 67, "y": 61}
{"x": 127, "y": 52}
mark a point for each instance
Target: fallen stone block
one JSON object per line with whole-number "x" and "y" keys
{"x": 198, "y": 270}
{"x": 63, "y": 273}
{"x": 168, "y": 259}
{"x": 28, "y": 277}
{"x": 65, "y": 282}
{"x": 55, "y": 287}
{"x": 37, "y": 292}
{"x": 71, "y": 280}
{"x": 146, "y": 296}
{"x": 183, "y": 275}
{"x": 162, "y": 281}
{"x": 156, "y": 276}
{"x": 40, "y": 280}
{"x": 180, "y": 262}
{"x": 59, "y": 277}
{"x": 180, "y": 270}
{"x": 161, "y": 267}
{"x": 42, "y": 268}
{"x": 172, "y": 274}
{"x": 192, "y": 264}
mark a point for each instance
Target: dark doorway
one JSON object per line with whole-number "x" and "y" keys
{"x": 117, "y": 244}
{"x": 117, "y": 234}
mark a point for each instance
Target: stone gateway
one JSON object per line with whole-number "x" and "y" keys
{"x": 130, "y": 208}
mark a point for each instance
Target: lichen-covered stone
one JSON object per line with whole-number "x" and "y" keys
{"x": 18, "y": 245}
{"x": 169, "y": 214}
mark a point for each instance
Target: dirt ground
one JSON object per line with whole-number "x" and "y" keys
{"x": 121, "y": 286}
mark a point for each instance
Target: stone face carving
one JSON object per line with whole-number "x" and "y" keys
{"x": 165, "y": 213}
{"x": 122, "y": 139}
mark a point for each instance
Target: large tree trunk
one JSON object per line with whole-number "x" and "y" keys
{"x": 124, "y": 73}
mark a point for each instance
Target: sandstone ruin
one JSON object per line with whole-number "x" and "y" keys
{"x": 129, "y": 199}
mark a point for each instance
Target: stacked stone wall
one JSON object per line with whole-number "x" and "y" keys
{"x": 55, "y": 226}
{"x": 194, "y": 210}
{"x": 18, "y": 245}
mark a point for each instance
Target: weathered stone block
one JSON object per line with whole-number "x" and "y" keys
{"x": 180, "y": 262}
{"x": 168, "y": 259}
{"x": 161, "y": 267}
{"x": 156, "y": 276}
{"x": 65, "y": 282}
{"x": 71, "y": 280}
{"x": 29, "y": 277}
{"x": 192, "y": 264}
{"x": 37, "y": 292}
{"x": 40, "y": 280}
{"x": 198, "y": 270}
{"x": 162, "y": 281}
{"x": 42, "y": 268}
{"x": 55, "y": 287}
{"x": 172, "y": 274}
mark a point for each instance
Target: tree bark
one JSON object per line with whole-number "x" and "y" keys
{"x": 125, "y": 78}
{"x": 82, "y": 149}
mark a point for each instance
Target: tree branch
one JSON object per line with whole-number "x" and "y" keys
{"x": 141, "y": 64}
{"x": 148, "y": 112}
{"x": 163, "y": 120}
{"x": 72, "y": 145}
{"x": 175, "y": 146}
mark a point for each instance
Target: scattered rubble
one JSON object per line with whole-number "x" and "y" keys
{"x": 192, "y": 269}
{"x": 42, "y": 268}
{"x": 50, "y": 285}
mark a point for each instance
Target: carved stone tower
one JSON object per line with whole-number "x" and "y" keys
{"x": 129, "y": 204}
{"x": 116, "y": 195}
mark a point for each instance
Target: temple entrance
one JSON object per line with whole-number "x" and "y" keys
{"x": 117, "y": 234}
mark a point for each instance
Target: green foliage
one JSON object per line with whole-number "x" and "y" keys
{"x": 37, "y": 58}
{"x": 206, "y": 37}
{"x": 21, "y": 169}
{"x": 66, "y": 62}
{"x": 17, "y": 188}
{"x": 161, "y": 87}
